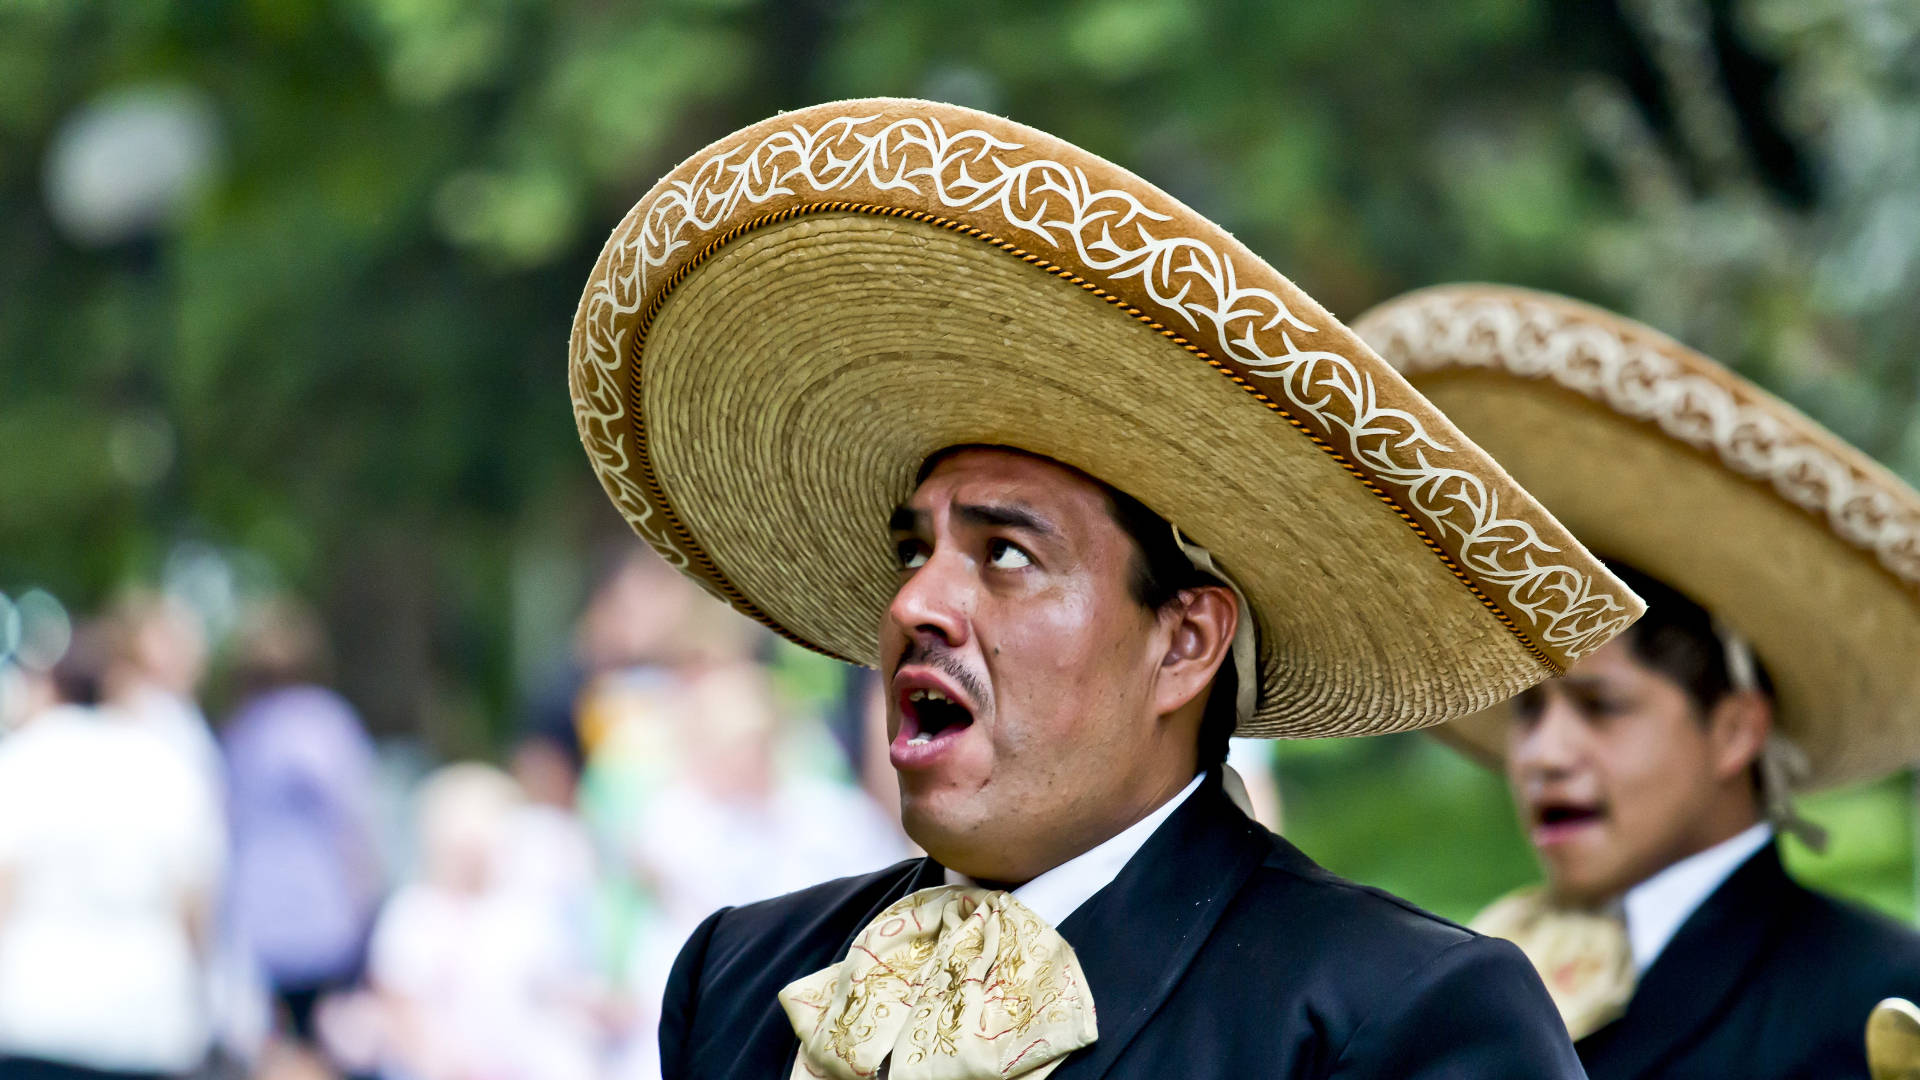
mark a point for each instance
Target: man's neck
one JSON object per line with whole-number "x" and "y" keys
{"x": 1059, "y": 891}
{"x": 1657, "y": 907}
{"x": 1718, "y": 825}
{"x": 1062, "y": 844}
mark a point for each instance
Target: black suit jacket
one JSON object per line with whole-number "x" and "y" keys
{"x": 1219, "y": 951}
{"x": 1767, "y": 980}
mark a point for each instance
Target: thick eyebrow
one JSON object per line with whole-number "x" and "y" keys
{"x": 1004, "y": 516}
{"x": 905, "y": 519}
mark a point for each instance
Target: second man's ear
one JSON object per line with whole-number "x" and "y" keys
{"x": 1739, "y": 726}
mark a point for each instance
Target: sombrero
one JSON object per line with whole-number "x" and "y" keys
{"x": 1661, "y": 458}
{"x": 783, "y": 330}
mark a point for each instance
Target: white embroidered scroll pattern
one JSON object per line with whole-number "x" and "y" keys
{"x": 1639, "y": 377}
{"x": 978, "y": 176}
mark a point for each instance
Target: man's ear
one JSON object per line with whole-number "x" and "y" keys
{"x": 1201, "y": 636}
{"x": 1738, "y": 727}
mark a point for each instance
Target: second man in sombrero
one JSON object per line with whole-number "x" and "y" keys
{"x": 925, "y": 389}
{"x": 1780, "y": 651}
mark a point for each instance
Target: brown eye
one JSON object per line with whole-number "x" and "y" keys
{"x": 1528, "y": 706}
{"x": 1609, "y": 705}
{"x": 911, "y": 554}
{"x": 1005, "y": 555}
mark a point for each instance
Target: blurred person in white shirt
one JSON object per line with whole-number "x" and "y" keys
{"x": 155, "y": 660}
{"x": 110, "y": 858}
{"x": 156, "y": 657}
{"x": 474, "y": 980}
{"x": 549, "y": 854}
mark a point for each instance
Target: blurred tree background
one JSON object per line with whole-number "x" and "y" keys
{"x": 285, "y": 285}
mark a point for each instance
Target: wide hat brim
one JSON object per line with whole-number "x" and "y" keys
{"x": 1665, "y": 460}
{"x": 790, "y": 323}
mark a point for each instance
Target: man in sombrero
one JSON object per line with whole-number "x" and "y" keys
{"x": 925, "y": 389}
{"x": 1780, "y": 651}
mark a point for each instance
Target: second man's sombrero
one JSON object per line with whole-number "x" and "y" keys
{"x": 785, "y": 328}
{"x": 1663, "y": 459}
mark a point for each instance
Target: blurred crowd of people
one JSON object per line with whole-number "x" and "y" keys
{"x": 278, "y": 894}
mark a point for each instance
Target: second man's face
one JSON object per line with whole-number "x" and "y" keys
{"x": 1613, "y": 773}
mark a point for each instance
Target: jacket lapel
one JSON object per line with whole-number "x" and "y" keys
{"x": 1693, "y": 978}
{"x": 922, "y": 874}
{"x": 771, "y": 1048}
{"x": 1136, "y": 937}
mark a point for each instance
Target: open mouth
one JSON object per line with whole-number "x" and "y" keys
{"x": 927, "y": 713}
{"x": 1562, "y": 816}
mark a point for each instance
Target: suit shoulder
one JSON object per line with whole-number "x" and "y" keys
{"x": 1357, "y": 916}
{"x": 1865, "y": 923}
{"x": 1869, "y": 942}
{"x": 1353, "y": 941}
{"x": 1391, "y": 988}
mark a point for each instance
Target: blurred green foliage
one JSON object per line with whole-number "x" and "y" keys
{"x": 339, "y": 357}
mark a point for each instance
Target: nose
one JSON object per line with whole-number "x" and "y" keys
{"x": 1549, "y": 747}
{"x": 934, "y": 604}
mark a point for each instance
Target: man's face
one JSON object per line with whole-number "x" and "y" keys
{"x": 1020, "y": 667}
{"x": 1613, "y": 773}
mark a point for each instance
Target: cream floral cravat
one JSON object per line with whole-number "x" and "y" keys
{"x": 949, "y": 983}
{"x": 1583, "y": 956}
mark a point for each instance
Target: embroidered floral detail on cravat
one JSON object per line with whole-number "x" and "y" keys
{"x": 949, "y": 983}
{"x": 1583, "y": 956}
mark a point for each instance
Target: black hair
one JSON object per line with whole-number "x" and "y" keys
{"x": 1161, "y": 572}
{"x": 1677, "y": 638}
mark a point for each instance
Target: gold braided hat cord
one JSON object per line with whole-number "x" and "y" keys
{"x": 949, "y": 983}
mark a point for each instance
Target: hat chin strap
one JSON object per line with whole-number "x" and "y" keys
{"x": 1782, "y": 764}
{"x": 1246, "y": 685}
{"x": 1243, "y": 657}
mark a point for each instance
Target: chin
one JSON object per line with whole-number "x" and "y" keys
{"x": 1584, "y": 888}
{"x": 955, "y": 840}
{"x": 926, "y": 826}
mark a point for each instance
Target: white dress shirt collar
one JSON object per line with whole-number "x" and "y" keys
{"x": 1060, "y": 891}
{"x": 1656, "y": 907}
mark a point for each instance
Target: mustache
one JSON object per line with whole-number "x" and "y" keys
{"x": 946, "y": 663}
